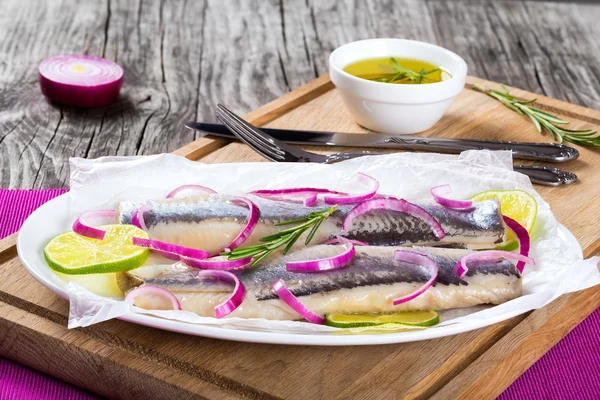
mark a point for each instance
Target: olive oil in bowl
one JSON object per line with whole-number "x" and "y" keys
{"x": 397, "y": 70}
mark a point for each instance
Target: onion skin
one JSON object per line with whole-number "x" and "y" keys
{"x": 522, "y": 237}
{"x": 83, "y": 229}
{"x": 200, "y": 188}
{"x": 236, "y": 298}
{"x": 424, "y": 260}
{"x": 154, "y": 290}
{"x": 169, "y": 250}
{"x": 222, "y": 264}
{"x": 356, "y": 198}
{"x": 461, "y": 267}
{"x": 439, "y": 193}
{"x": 325, "y": 264}
{"x": 97, "y": 85}
{"x": 292, "y": 301}
{"x": 253, "y": 218}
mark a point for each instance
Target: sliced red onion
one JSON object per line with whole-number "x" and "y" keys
{"x": 218, "y": 262}
{"x": 418, "y": 259}
{"x": 337, "y": 240}
{"x": 439, "y": 193}
{"x": 82, "y": 228}
{"x": 164, "y": 294}
{"x": 80, "y": 80}
{"x": 170, "y": 250}
{"x": 137, "y": 218}
{"x": 236, "y": 298}
{"x": 325, "y": 264}
{"x": 461, "y": 267}
{"x": 309, "y": 196}
{"x": 186, "y": 187}
{"x": 288, "y": 298}
{"x": 391, "y": 203}
{"x": 368, "y": 180}
{"x": 522, "y": 237}
{"x": 253, "y": 218}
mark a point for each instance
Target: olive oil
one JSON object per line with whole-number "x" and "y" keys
{"x": 397, "y": 70}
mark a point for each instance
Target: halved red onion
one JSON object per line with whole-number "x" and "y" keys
{"x": 159, "y": 292}
{"x": 522, "y": 237}
{"x": 218, "y": 262}
{"x": 337, "y": 240}
{"x": 80, "y": 80}
{"x": 253, "y": 217}
{"x": 439, "y": 194}
{"x": 461, "y": 267}
{"x": 236, "y": 298}
{"x": 137, "y": 218}
{"x": 288, "y": 298}
{"x": 308, "y": 196}
{"x": 418, "y": 259}
{"x": 81, "y": 227}
{"x": 170, "y": 250}
{"x": 199, "y": 188}
{"x": 394, "y": 204}
{"x": 325, "y": 264}
{"x": 364, "y": 178}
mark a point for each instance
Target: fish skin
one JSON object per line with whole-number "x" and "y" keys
{"x": 210, "y": 222}
{"x": 367, "y": 284}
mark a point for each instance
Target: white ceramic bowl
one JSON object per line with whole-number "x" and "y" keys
{"x": 400, "y": 109}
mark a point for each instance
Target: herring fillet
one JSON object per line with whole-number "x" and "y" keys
{"x": 368, "y": 283}
{"x": 210, "y": 222}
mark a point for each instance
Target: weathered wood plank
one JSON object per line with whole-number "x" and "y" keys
{"x": 181, "y": 58}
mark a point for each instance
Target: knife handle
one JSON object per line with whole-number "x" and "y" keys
{"x": 548, "y": 176}
{"x": 549, "y": 152}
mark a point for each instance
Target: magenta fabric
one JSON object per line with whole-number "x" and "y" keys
{"x": 570, "y": 370}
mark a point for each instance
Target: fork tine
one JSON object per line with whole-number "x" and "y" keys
{"x": 267, "y": 140}
{"x": 250, "y": 136}
{"x": 249, "y": 139}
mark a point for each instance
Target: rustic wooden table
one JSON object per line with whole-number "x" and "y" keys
{"x": 181, "y": 58}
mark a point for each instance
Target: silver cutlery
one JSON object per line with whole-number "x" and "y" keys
{"x": 278, "y": 151}
{"x": 547, "y": 152}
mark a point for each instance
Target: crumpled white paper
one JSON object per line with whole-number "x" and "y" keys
{"x": 102, "y": 183}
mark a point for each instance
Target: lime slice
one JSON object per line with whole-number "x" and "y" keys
{"x": 516, "y": 204}
{"x": 411, "y": 318}
{"x": 73, "y": 254}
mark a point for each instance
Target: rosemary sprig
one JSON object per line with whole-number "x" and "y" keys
{"x": 285, "y": 237}
{"x": 405, "y": 74}
{"x": 543, "y": 120}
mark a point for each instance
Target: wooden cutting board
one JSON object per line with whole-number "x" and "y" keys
{"x": 119, "y": 359}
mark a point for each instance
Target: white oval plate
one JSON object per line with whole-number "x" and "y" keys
{"x": 52, "y": 219}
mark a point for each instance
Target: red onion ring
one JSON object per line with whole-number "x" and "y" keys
{"x": 185, "y": 187}
{"x": 154, "y": 290}
{"x": 137, "y": 218}
{"x": 336, "y": 240}
{"x": 170, "y": 250}
{"x": 219, "y": 262}
{"x": 461, "y": 267}
{"x": 370, "y": 181}
{"x": 82, "y": 228}
{"x": 80, "y": 80}
{"x": 418, "y": 259}
{"x": 289, "y": 194}
{"x": 236, "y": 298}
{"x": 439, "y": 193}
{"x": 522, "y": 237}
{"x": 325, "y": 264}
{"x": 288, "y": 298}
{"x": 391, "y": 203}
{"x": 254, "y": 215}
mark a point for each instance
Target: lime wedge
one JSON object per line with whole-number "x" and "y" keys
{"x": 516, "y": 204}
{"x": 73, "y": 254}
{"x": 411, "y": 318}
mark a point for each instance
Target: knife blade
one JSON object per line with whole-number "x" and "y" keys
{"x": 549, "y": 152}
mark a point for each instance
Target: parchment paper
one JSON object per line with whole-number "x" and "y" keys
{"x": 102, "y": 183}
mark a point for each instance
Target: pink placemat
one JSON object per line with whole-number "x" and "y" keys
{"x": 570, "y": 370}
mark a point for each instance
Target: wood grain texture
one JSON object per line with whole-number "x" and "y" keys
{"x": 181, "y": 58}
{"x": 158, "y": 363}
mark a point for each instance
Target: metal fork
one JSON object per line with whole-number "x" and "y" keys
{"x": 278, "y": 151}
{"x": 273, "y": 149}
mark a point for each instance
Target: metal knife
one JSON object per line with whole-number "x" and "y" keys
{"x": 549, "y": 152}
